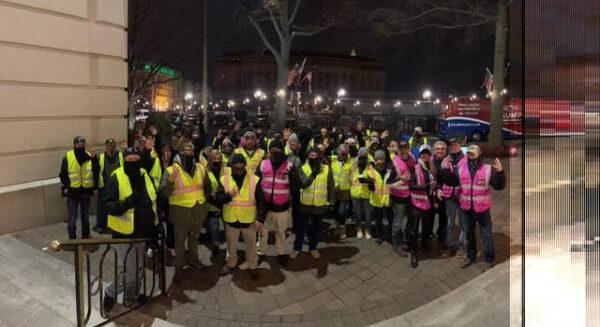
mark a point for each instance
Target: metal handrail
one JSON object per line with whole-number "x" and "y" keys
{"x": 81, "y": 250}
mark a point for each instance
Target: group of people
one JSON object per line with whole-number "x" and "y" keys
{"x": 279, "y": 182}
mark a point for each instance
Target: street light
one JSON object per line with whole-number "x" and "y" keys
{"x": 418, "y": 103}
{"x": 337, "y": 101}
{"x": 504, "y": 91}
{"x": 318, "y": 99}
{"x": 377, "y": 104}
{"x": 246, "y": 101}
{"x": 281, "y": 93}
{"x": 258, "y": 94}
{"x": 426, "y": 94}
{"x": 357, "y": 103}
{"x": 341, "y": 93}
{"x": 473, "y": 96}
{"x": 437, "y": 101}
{"x": 189, "y": 96}
{"x": 397, "y": 104}
{"x": 230, "y": 103}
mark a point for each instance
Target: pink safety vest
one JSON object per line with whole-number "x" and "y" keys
{"x": 276, "y": 185}
{"x": 476, "y": 190}
{"x": 419, "y": 199}
{"x": 449, "y": 191}
{"x": 399, "y": 189}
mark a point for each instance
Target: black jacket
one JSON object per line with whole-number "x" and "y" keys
{"x": 451, "y": 178}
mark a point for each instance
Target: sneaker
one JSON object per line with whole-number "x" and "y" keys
{"x": 359, "y": 233}
{"x": 99, "y": 230}
{"x": 315, "y": 254}
{"x": 488, "y": 266}
{"x": 108, "y": 303}
{"x": 342, "y": 232}
{"x": 283, "y": 260}
{"x": 467, "y": 262}
{"x": 261, "y": 258}
{"x": 414, "y": 262}
{"x": 402, "y": 252}
{"x": 460, "y": 254}
{"x": 226, "y": 270}
{"x": 294, "y": 254}
{"x": 379, "y": 241}
{"x": 368, "y": 235}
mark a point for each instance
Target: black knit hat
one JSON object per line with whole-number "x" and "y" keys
{"x": 276, "y": 144}
{"x": 237, "y": 158}
{"x": 131, "y": 151}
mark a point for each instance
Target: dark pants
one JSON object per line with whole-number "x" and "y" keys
{"x": 342, "y": 212}
{"x": 442, "y": 221}
{"x": 378, "y": 214}
{"x": 309, "y": 225}
{"x": 212, "y": 225}
{"x": 417, "y": 215}
{"x": 485, "y": 228}
{"x": 74, "y": 203}
{"x": 101, "y": 215}
{"x": 296, "y": 216}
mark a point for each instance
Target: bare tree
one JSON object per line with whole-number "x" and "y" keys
{"x": 279, "y": 22}
{"x": 472, "y": 16}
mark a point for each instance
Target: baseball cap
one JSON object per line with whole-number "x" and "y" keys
{"x": 131, "y": 151}
{"x": 473, "y": 148}
{"x": 78, "y": 140}
{"x": 402, "y": 145}
{"x": 424, "y": 147}
{"x": 418, "y": 129}
{"x": 110, "y": 141}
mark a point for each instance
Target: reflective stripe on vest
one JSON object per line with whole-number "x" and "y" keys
{"x": 102, "y": 164}
{"x": 252, "y": 162}
{"x": 418, "y": 198}
{"x": 341, "y": 174}
{"x": 399, "y": 189}
{"x": 242, "y": 207}
{"x": 475, "y": 191}
{"x": 79, "y": 175}
{"x": 124, "y": 224}
{"x": 156, "y": 172}
{"x": 449, "y": 192}
{"x": 380, "y": 197}
{"x": 411, "y": 141}
{"x": 316, "y": 193}
{"x": 187, "y": 190}
{"x": 275, "y": 185}
{"x": 358, "y": 190}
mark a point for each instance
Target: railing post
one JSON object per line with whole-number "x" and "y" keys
{"x": 162, "y": 283}
{"x": 79, "y": 287}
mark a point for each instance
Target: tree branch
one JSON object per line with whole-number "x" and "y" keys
{"x": 275, "y": 22}
{"x": 310, "y": 31}
{"x": 264, "y": 38}
{"x": 294, "y": 12}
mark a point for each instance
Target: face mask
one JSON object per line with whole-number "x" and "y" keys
{"x": 132, "y": 169}
{"x": 79, "y": 151}
{"x": 277, "y": 158}
{"x": 313, "y": 162}
{"x": 216, "y": 164}
{"x": 353, "y": 152}
{"x": 237, "y": 171}
{"x": 187, "y": 162}
{"x": 455, "y": 156}
{"x": 362, "y": 162}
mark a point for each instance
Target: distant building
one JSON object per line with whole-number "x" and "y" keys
{"x": 245, "y": 71}
{"x": 161, "y": 87}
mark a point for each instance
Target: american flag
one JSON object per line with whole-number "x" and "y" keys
{"x": 308, "y": 78}
{"x": 293, "y": 74}
{"x": 488, "y": 81}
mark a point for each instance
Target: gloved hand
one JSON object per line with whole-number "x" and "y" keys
{"x": 371, "y": 185}
{"x": 363, "y": 180}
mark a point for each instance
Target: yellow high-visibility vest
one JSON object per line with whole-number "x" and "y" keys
{"x": 125, "y": 224}
{"x": 358, "y": 190}
{"x": 316, "y": 193}
{"x": 341, "y": 174}
{"x": 188, "y": 190}
{"x": 214, "y": 186}
{"x": 156, "y": 172}
{"x": 242, "y": 208}
{"x": 102, "y": 164}
{"x": 79, "y": 175}
{"x": 380, "y": 197}
{"x": 252, "y": 162}
{"x": 411, "y": 141}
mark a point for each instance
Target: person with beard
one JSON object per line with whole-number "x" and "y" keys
{"x": 415, "y": 141}
{"x": 352, "y": 148}
{"x": 79, "y": 177}
{"x": 212, "y": 225}
{"x": 317, "y": 199}
{"x": 251, "y": 153}
{"x": 226, "y": 150}
{"x": 379, "y": 199}
{"x": 108, "y": 161}
{"x": 450, "y": 198}
{"x": 422, "y": 192}
{"x": 243, "y": 212}
{"x": 360, "y": 194}
{"x": 130, "y": 199}
{"x": 275, "y": 183}
{"x": 399, "y": 182}
{"x": 341, "y": 166}
{"x": 292, "y": 151}
{"x": 476, "y": 180}
{"x": 188, "y": 188}
{"x": 150, "y": 160}
{"x": 439, "y": 154}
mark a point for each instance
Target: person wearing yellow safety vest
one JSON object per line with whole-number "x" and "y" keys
{"x": 150, "y": 160}
{"x": 317, "y": 199}
{"x": 341, "y": 167}
{"x": 422, "y": 193}
{"x": 79, "y": 178}
{"x": 226, "y": 150}
{"x": 243, "y": 212}
{"x": 374, "y": 145}
{"x": 415, "y": 141}
{"x": 379, "y": 199}
{"x": 108, "y": 161}
{"x": 187, "y": 186}
{"x": 360, "y": 194}
{"x": 215, "y": 171}
{"x": 252, "y": 154}
{"x": 130, "y": 199}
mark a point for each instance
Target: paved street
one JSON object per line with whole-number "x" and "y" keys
{"x": 355, "y": 283}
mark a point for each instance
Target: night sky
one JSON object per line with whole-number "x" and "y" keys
{"x": 447, "y": 62}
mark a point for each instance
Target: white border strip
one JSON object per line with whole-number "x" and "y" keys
{"x": 28, "y": 185}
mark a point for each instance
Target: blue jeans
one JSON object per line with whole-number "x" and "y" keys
{"x": 485, "y": 229}
{"x": 453, "y": 209}
{"x": 361, "y": 211}
{"x": 399, "y": 228}
{"x": 126, "y": 272}
{"x": 309, "y": 225}
{"x": 342, "y": 212}
{"x": 73, "y": 204}
{"x": 101, "y": 215}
